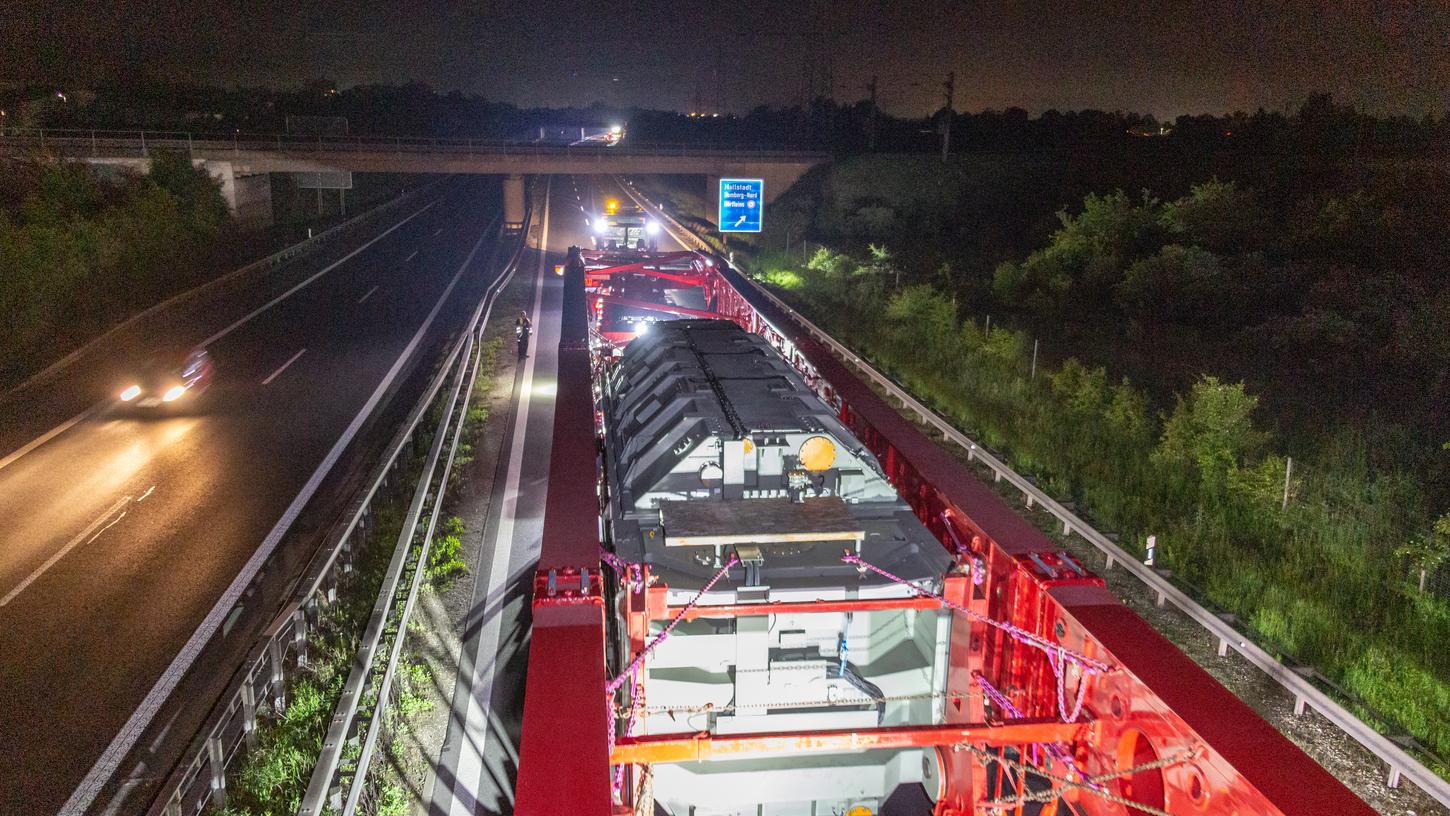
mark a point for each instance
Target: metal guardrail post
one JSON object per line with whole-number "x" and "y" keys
{"x": 299, "y": 636}
{"x": 249, "y": 712}
{"x": 278, "y": 680}
{"x": 216, "y": 764}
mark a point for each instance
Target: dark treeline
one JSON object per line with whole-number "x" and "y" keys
{"x": 80, "y": 251}
{"x": 415, "y": 109}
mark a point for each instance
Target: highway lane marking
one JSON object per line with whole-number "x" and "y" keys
{"x": 105, "y": 766}
{"x": 278, "y": 299}
{"x": 149, "y": 491}
{"x": 50, "y": 434}
{"x": 86, "y": 535}
{"x": 469, "y": 772}
{"x": 370, "y": 291}
{"x": 283, "y": 367}
{"x": 437, "y": 231}
{"x": 411, "y": 257}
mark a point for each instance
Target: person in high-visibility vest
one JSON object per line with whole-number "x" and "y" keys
{"x": 523, "y": 327}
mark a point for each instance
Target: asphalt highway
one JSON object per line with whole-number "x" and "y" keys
{"x": 122, "y": 531}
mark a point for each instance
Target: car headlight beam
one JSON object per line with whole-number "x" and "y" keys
{"x": 173, "y": 393}
{"x": 130, "y": 393}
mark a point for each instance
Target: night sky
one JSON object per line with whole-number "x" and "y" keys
{"x": 1164, "y": 57}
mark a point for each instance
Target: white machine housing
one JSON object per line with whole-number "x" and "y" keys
{"x": 716, "y": 447}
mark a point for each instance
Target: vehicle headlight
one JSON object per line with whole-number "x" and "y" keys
{"x": 641, "y": 328}
{"x": 130, "y": 393}
{"x": 600, "y": 228}
{"x": 173, "y": 393}
{"x": 652, "y": 227}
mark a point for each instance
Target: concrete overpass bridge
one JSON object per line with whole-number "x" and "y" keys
{"x": 243, "y": 162}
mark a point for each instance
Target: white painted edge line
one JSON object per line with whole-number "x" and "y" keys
{"x": 411, "y": 257}
{"x": 475, "y": 722}
{"x": 90, "y": 787}
{"x": 283, "y": 367}
{"x": 367, "y": 294}
{"x": 50, "y": 434}
{"x": 61, "y": 553}
{"x": 340, "y": 261}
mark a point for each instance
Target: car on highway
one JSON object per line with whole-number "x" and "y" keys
{"x": 168, "y": 377}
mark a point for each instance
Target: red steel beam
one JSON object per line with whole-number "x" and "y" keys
{"x": 690, "y": 278}
{"x": 616, "y": 300}
{"x": 564, "y": 749}
{"x": 704, "y": 745}
{"x": 802, "y": 607}
{"x": 604, "y": 256}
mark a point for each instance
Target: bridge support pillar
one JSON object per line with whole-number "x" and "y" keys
{"x": 248, "y": 195}
{"x": 712, "y": 193}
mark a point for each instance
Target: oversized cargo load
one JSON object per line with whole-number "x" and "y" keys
{"x": 717, "y": 449}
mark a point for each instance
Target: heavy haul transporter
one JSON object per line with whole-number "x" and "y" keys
{"x": 811, "y": 608}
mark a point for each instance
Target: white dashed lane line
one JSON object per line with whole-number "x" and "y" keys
{"x": 88, "y": 534}
{"x": 367, "y": 295}
{"x": 283, "y": 367}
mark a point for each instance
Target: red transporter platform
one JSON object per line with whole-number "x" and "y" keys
{"x": 1059, "y": 698}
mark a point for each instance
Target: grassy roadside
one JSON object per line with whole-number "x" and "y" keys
{"x": 271, "y": 778}
{"x": 395, "y": 776}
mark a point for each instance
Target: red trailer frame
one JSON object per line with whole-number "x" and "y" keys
{"x": 1094, "y": 700}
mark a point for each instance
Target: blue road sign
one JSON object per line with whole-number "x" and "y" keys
{"x": 742, "y": 203}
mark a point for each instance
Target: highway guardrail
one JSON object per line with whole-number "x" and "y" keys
{"x": 338, "y": 784}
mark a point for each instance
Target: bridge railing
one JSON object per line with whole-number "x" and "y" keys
{"x": 1305, "y": 684}
{"x": 141, "y": 143}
